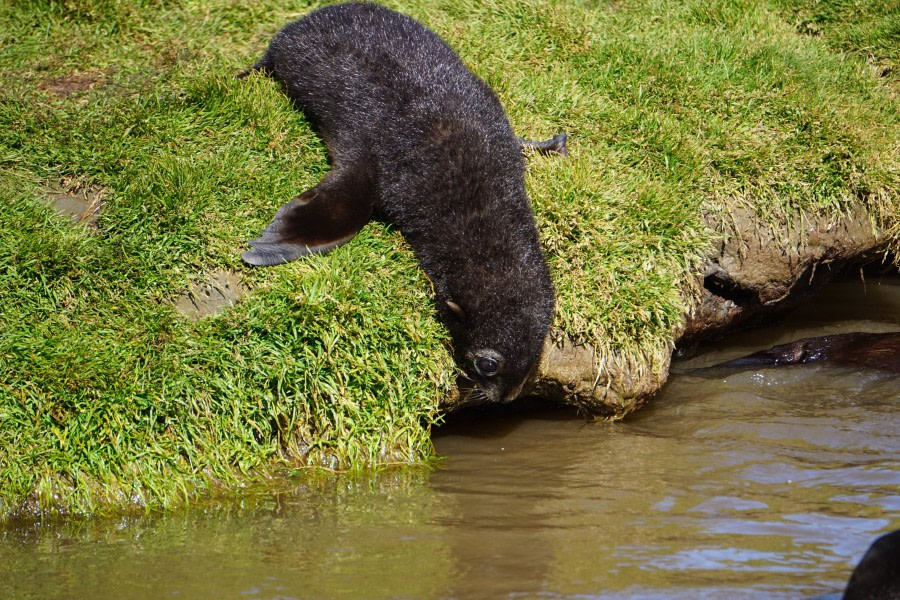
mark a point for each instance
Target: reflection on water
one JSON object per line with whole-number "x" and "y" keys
{"x": 754, "y": 484}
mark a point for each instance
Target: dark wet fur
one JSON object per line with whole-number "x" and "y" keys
{"x": 418, "y": 140}
{"x": 880, "y": 351}
{"x": 877, "y": 576}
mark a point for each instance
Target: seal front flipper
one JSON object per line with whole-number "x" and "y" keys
{"x": 319, "y": 219}
{"x": 555, "y": 145}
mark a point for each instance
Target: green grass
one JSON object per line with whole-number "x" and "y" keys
{"x": 870, "y": 29}
{"x": 109, "y": 396}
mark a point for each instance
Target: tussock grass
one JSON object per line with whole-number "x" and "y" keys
{"x": 109, "y": 396}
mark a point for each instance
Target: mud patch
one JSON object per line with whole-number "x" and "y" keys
{"x": 71, "y": 83}
{"x": 220, "y": 290}
{"x": 82, "y": 202}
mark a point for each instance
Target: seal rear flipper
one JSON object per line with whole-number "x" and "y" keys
{"x": 555, "y": 145}
{"x": 316, "y": 221}
{"x": 262, "y": 66}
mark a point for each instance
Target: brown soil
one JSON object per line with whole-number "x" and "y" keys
{"x": 71, "y": 83}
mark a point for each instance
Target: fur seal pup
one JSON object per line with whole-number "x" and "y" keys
{"x": 418, "y": 140}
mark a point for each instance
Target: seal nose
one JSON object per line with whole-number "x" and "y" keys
{"x": 517, "y": 391}
{"x": 514, "y": 393}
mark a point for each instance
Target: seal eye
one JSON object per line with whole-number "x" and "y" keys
{"x": 486, "y": 366}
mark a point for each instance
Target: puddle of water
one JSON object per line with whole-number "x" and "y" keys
{"x": 81, "y": 202}
{"x": 220, "y": 290}
{"x": 756, "y": 484}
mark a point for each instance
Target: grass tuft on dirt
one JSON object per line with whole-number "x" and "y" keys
{"x": 110, "y": 397}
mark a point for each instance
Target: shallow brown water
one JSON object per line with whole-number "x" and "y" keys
{"x": 753, "y": 484}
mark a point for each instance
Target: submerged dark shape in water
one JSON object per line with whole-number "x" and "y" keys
{"x": 418, "y": 140}
{"x": 877, "y": 576}
{"x": 879, "y": 351}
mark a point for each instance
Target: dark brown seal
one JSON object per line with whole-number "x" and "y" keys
{"x": 879, "y": 351}
{"x": 420, "y": 141}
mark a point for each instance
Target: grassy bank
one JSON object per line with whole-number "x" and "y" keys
{"x": 109, "y": 395}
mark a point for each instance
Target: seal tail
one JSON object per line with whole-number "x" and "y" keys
{"x": 262, "y": 66}
{"x": 555, "y": 145}
{"x": 318, "y": 220}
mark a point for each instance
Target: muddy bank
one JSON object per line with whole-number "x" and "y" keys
{"x": 756, "y": 273}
